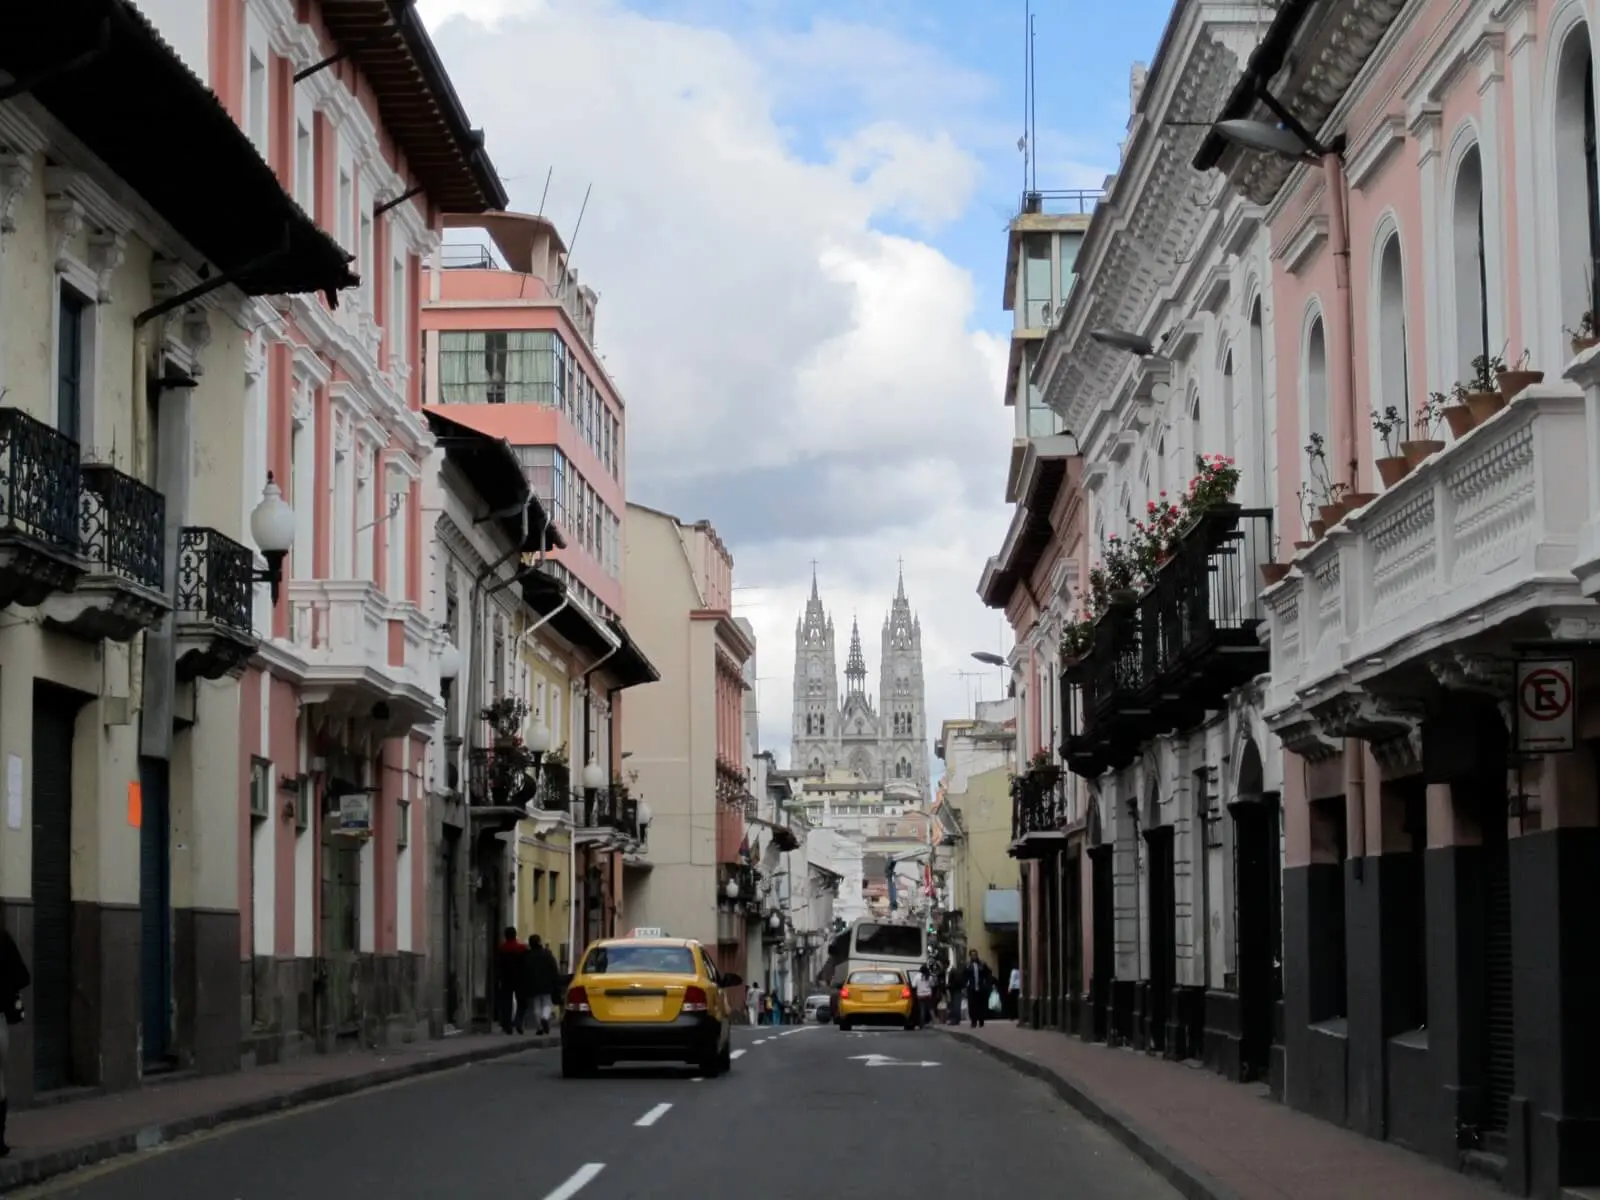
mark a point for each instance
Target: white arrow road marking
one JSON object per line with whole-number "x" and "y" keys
{"x": 883, "y": 1060}
{"x": 576, "y": 1184}
{"x": 737, "y": 1054}
{"x": 651, "y": 1117}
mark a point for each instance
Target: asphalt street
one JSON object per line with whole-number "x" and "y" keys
{"x": 807, "y": 1112}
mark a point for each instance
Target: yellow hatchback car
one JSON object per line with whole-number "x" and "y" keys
{"x": 876, "y": 997}
{"x": 647, "y": 999}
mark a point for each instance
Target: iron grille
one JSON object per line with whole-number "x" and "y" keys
{"x": 122, "y": 523}
{"x": 39, "y": 481}
{"x": 215, "y": 575}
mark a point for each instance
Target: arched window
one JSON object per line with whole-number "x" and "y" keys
{"x": 1196, "y": 436}
{"x": 1471, "y": 288}
{"x": 1392, "y": 378}
{"x": 1161, "y": 464}
{"x": 1262, "y": 426}
{"x": 1316, "y": 381}
{"x": 1577, "y": 188}
{"x": 1230, "y": 421}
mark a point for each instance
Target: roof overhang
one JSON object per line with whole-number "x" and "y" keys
{"x": 100, "y": 68}
{"x": 548, "y": 597}
{"x": 1045, "y": 466}
{"x": 417, "y": 103}
{"x": 629, "y": 667}
{"x": 496, "y": 474}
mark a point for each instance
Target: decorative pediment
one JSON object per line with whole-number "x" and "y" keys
{"x": 1300, "y": 247}
{"x": 1376, "y": 149}
{"x": 1357, "y": 715}
{"x": 64, "y": 218}
{"x": 1302, "y": 735}
{"x": 107, "y": 250}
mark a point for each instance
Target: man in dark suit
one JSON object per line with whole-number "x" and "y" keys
{"x": 980, "y": 981}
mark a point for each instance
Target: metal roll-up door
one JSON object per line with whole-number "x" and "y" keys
{"x": 1501, "y": 1062}
{"x": 51, "y": 998}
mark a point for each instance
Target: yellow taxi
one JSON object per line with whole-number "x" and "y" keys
{"x": 647, "y": 999}
{"x": 876, "y": 996}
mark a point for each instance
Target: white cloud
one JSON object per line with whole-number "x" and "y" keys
{"x": 812, "y": 385}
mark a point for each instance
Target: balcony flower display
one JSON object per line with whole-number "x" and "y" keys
{"x": 1586, "y": 334}
{"x": 1426, "y": 423}
{"x": 1516, "y": 378}
{"x": 509, "y": 763}
{"x": 1076, "y": 638}
{"x": 1390, "y": 424}
{"x": 1215, "y": 481}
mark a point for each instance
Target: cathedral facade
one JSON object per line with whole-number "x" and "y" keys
{"x": 877, "y": 742}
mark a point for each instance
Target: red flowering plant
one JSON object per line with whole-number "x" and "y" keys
{"x": 1153, "y": 538}
{"x": 1215, "y": 481}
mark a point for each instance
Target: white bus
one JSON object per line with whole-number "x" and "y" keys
{"x": 867, "y": 943}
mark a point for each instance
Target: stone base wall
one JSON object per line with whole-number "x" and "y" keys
{"x": 285, "y": 1012}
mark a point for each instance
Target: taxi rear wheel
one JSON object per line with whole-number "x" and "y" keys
{"x": 844, "y": 1026}
{"x": 575, "y": 1065}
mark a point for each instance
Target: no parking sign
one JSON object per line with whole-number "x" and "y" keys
{"x": 1544, "y": 705}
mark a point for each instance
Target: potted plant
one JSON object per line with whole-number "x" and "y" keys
{"x": 1455, "y": 410}
{"x": 1328, "y": 495}
{"x": 1076, "y": 639}
{"x": 1517, "y": 378}
{"x": 1154, "y": 537}
{"x": 1313, "y": 527}
{"x": 1122, "y": 571}
{"x": 1426, "y": 423}
{"x": 1043, "y": 769}
{"x": 505, "y": 717}
{"x": 1390, "y": 424}
{"x": 1482, "y": 392}
{"x": 1274, "y": 571}
{"x": 1586, "y": 335}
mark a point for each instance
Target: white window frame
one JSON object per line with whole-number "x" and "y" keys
{"x": 305, "y": 166}
{"x": 257, "y": 110}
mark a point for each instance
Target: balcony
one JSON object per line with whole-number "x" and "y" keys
{"x": 360, "y": 655}
{"x": 608, "y": 815}
{"x": 1161, "y": 662}
{"x": 39, "y": 488}
{"x": 1038, "y": 811}
{"x": 122, "y": 531}
{"x": 214, "y": 632}
{"x": 1474, "y": 549}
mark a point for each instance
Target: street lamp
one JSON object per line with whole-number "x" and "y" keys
{"x": 645, "y": 814}
{"x": 775, "y": 922}
{"x": 731, "y": 888}
{"x": 537, "y": 739}
{"x": 989, "y": 657}
{"x": 594, "y": 776}
{"x": 449, "y": 667}
{"x": 272, "y": 527}
{"x": 1121, "y": 339}
{"x": 1271, "y": 139}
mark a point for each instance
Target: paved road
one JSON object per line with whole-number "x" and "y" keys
{"x": 801, "y": 1116}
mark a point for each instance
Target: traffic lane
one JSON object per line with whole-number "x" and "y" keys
{"x": 510, "y": 1123}
{"x": 812, "y": 1110}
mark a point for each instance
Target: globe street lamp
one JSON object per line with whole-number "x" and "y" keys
{"x": 272, "y": 527}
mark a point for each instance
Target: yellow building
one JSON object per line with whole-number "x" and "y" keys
{"x": 544, "y": 883}
{"x": 979, "y": 755}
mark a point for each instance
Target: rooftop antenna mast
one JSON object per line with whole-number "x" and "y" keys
{"x": 577, "y": 225}
{"x": 545, "y": 195}
{"x": 1025, "y": 143}
{"x": 1033, "y": 108}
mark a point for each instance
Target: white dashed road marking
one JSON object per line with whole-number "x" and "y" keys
{"x": 580, "y": 1179}
{"x": 738, "y": 1054}
{"x": 654, "y": 1115}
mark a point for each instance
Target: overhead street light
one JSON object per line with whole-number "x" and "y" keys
{"x": 989, "y": 657}
{"x": 272, "y": 526}
{"x": 1121, "y": 339}
{"x": 1269, "y": 139}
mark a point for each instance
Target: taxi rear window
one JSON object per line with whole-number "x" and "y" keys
{"x": 639, "y": 960}
{"x": 876, "y": 977}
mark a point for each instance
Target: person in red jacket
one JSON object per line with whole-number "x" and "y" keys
{"x": 510, "y": 985}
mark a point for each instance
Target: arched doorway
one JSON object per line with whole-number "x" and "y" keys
{"x": 1256, "y": 918}
{"x": 1102, "y": 917}
{"x": 1162, "y": 904}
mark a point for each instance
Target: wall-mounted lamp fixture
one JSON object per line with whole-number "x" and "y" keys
{"x": 272, "y": 527}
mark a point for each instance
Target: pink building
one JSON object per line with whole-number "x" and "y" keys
{"x": 351, "y": 107}
{"x": 1434, "y": 202}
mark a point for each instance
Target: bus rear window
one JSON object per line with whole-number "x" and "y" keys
{"x": 878, "y": 977}
{"x": 890, "y": 941}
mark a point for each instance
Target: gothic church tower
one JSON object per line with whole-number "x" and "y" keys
{"x": 901, "y": 694}
{"x": 814, "y": 740}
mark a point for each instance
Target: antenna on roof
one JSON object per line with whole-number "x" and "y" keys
{"x": 545, "y": 195}
{"x": 577, "y": 225}
{"x": 1033, "y": 107}
{"x": 1024, "y": 143}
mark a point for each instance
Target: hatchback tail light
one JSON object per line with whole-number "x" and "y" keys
{"x": 844, "y": 993}
{"x": 577, "y": 1000}
{"x": 905, "y": 993}
{"x": 694, "y": 999}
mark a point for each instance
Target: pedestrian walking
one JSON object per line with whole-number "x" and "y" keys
{"x": 980, "y": 983}
{"x": 956, "y": 984}
{"x": 924, "y": 999}
{"x": 510, "y": 981}
{"x": 1014, "y": 991}
{"x": 14, "y": 978}
{"x": 752, "y": 1003}
{"x": 544, "y": 977}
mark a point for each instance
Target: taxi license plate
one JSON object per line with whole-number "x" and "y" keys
{"x": 875, "y": 997}
{"x": 636, "y": 1006}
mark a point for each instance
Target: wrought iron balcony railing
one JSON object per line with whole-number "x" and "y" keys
{"x": 122, "y": 525}
{"x": 39, "y": 481}
{"x": 1037, "y": 805}
{"x": 215, "y": 578}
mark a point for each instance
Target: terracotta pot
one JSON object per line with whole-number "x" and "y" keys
{"x": 1332, "y": 514}
{"x": 1485, "y": 404}
{"x": 1272, "y": 573}
{"x": 1318, "y": 528}
{"x": 1419, "y": 450}
{"x": 1392, "y": 470}
{"x": 1513, "y": 382}
{"x": 1304, "y": 545}
{"x": 1461, "y": 419}
{"x": 1358, "y": 500}
{"x": 1580, "y": 344}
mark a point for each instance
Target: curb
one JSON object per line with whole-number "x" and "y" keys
{"x": 1190, "y": 1181}
{"x": 19, "y": 1172}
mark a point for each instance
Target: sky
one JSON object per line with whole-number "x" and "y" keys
{"x": 796, "y": 226}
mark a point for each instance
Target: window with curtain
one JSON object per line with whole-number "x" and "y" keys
{"x": 1316, "y": 381}
{"x": 1577, "y": 178}
{"x": 1394, "y": 385}
{"x": 1471, "y": 288}
{"x": 1262, "y": 428}
{"x": 525, "y": 366}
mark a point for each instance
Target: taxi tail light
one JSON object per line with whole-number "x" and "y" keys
{"x": 694, "y": 1000}
{"x": 905, "y": 993}
{"x": 844, "y": 993}
{"x": 577, "y": 1000}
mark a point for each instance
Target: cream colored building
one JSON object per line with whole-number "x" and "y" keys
{"x": 125, "y": 575}
{"x": 684, "y": 738}
{"x": 979, "y": 756}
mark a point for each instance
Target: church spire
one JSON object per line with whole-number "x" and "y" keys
{"x": 900, "y": 626}
{"x": 855, "y": 667}
{"x": 814, "y": 626}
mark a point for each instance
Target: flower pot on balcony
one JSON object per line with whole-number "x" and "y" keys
{"x": 1461, "y": 419}
{"x": 1272, "y": 573}
{"x": 1332, "y": 514}
{"x": 1512, "y": 383}
{"x": 1357, "y": 501}
{"x": 1299, "y": 546}
{"x": 1125, "y": 596}
{"x": 1318, "y": 528}
{"x": 1485, "y": 404}
{"x": 1580, "y": 344}
{"x": 1393, "y": 469}
{"x": 1418, "y": 451}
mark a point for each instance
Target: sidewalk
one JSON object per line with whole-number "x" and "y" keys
{"x": 57, "y": 1138}
{"x": 1213, "y": 1139}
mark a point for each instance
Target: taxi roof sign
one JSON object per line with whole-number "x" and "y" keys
{"x": 647, "y": 931}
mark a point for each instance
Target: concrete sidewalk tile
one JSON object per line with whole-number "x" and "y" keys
{"x": 51, "y": 1141}
{"x": 1214, "y": 1139}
